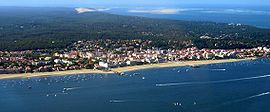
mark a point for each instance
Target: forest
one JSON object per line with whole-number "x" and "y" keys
{"x": 23, "y": 28}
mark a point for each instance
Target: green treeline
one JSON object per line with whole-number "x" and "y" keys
{"x": 39, "y": 28}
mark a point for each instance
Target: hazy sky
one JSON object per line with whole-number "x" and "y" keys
{"x": 72, "y": 3}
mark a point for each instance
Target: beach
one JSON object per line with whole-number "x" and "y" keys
{"x": 121, "y": 69}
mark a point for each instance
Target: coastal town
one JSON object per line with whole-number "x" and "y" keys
{"x": 108, "y": 54}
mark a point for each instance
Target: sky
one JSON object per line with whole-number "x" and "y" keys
{"x": 90, "y": 3}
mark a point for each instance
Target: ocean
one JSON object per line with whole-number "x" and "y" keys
{"x": 226, "y": 87}
{"x": 258, "y": 16}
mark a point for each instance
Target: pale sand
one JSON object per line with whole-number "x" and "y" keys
{"x": 177, "y": 64}
{"x": 121, "y": 69}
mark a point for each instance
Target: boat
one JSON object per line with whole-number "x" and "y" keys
{"x": 136, "y": 73}
{"x": 195, "y": 66}
{"x": 122, "y": 73}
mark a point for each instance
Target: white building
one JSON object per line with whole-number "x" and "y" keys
{"x": 103, "y": 64}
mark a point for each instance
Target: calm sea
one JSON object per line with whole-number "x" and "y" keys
{"x": 258, "y": 16}
{"x": 228, "y": 87}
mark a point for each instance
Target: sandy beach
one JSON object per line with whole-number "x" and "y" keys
{"x": 120, "y": 70}
{"x": 176, "y": 64}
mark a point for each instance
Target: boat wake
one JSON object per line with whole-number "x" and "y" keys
{"x": 70, "y": 88}
{"x": 217, "y": 69}
{"x": 211, "y": 82}
{"x": 247, "y": 98}
{"x": 118, "y": 101}
{"x": 214, "y": 69}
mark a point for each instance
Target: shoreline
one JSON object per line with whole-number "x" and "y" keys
{"x": 121, "y": 69}
{"x": 177, "y": 64}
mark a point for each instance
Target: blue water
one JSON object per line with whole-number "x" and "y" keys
{"x": 258, "y": 16}
{"x": 228, "y": 87}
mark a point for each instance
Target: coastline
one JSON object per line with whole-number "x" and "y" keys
{"x": 121, "y": 69}
{"x": 177, "y": 64}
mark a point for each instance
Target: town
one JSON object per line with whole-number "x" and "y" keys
{"x": 107, "y": 54}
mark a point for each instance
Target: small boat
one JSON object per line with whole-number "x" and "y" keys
{"x": 70, "y": 88}
{"x": 195, "y": 66}
{"x": 136, "y": 73}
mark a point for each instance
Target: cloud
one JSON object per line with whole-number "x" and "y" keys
{"x": 156, "y": 11}
{"x": 84, "y": 10}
